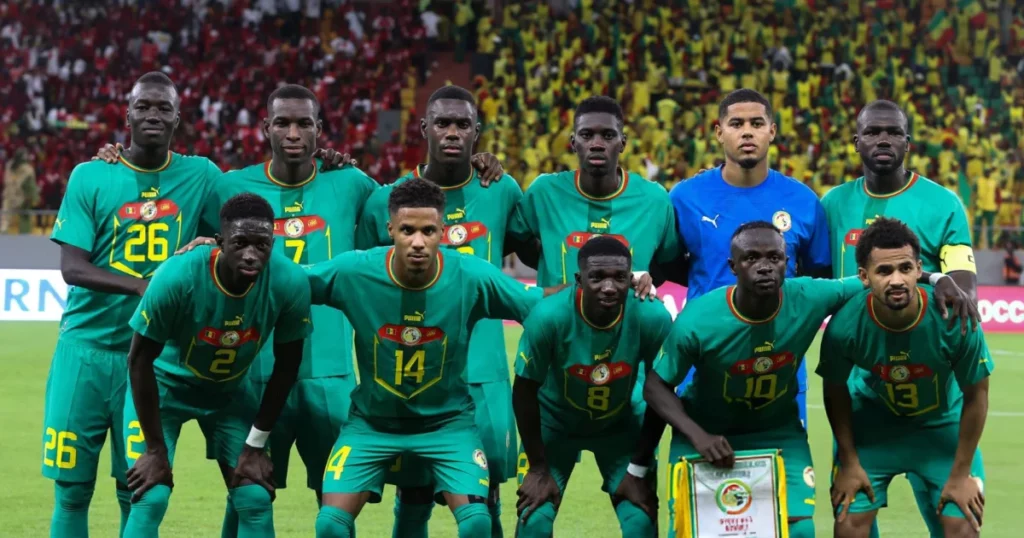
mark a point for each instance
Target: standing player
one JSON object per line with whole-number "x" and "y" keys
{"x": 476, "y": 220}
{"x": 903, "y": 413}
{"x": 586, "y": 346}
{"x": 746, "y": 343}
{"x": 710, "y": 205}
{"x": 413, "y": 308}
{"x": 117, "y": 223}
{"x": 197, "y": 330}
{"x": 932, "y": 212}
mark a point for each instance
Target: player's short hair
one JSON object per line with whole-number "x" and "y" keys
{"x": 157, "y": 78}
{"x": 744, "y": 95}
{"x": 452, "y": 91}
{"x": 603, "y": 245}
{"x": 293, "y": 91}
{"x": 599, "y": 103}
{"x": 885, "y": 233}
{"x": 416, "y": 193}
{"x": 754, "y": 225}
{"x": 246, "y": 206}
{"x": 881, "y": 104}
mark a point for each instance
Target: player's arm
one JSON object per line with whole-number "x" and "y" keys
{"x": 956, "y": 256}
{"x": 326, "y": 286}
{"x": 674, "y": 268}
{"x": 501, "y": 296}
{"x": 656, "y": 327}
{"x": 78, "y": 270}
{"x": 145, "y": 393}
{"x": 533, "y": 358}
{"x": 815, "y": 255}
{"x": 370, "y": 225}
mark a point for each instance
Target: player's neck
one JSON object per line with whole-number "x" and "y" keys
{"x": 753, "y": 307}
{"x": 737, "y": 176}
{"x": 291, "y": 174}
{"x": 598, "y": 316}
{"x": 447, "y": 175}
{"x": 888, "y": 183}
{"x": 898, "y": 320}
{"x": 601, "y": 186}
{"x": 146, "y": 157}
{"x": 228, "y": 280}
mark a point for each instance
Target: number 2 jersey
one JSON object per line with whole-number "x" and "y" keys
{"x": 906, "y": 376}
{"x": 588, "y": 372}
{"x": 315, "y": 220}
{"x": 476, "y": 220}
{"x": 129, "y": 220}
{"x": 212, "y": 336}
{"x": 412, "y": 345}
{"x": 745, "y": 379}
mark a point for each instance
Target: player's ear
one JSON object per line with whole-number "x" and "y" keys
{"x": 177, "y": 120}
{"x": 390, "y": 233}
{"x": 862, "y": 274}
{"x": 773, "y": 129}
{"x": 718, "y": 131}
{"x": 579, "y": 281}
{"x": 732, "y": 266}
{"x": 219, "y": 239}
{"x": 319, "y": 128}
{"x": 423, "y": 127}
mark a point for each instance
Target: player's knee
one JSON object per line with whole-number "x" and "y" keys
{"x": 957, "y": 527}
{"x": 473, "y": 520}
{"x": 334, "y": 522}
{"x": 73, "y": 496}
{"x": 251, "y": 502}
{"x": 539, "y": 524}
{"x": 854, "y": 526}
{"x": 635, "y": 522}
{"x": 153, "y": 504}
{"x": 801, "y": 528}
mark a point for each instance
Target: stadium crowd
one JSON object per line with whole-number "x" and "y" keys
{"x": 956, "y": 66}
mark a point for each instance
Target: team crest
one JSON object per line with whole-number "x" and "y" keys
{"x": 763, "y": 364}
{"x": 148, "y": 211}
{"x": 294, "y": 228}
{"x": 229, "y": 339}
{"x": 782, "y": 221}
{"x": 600, "y": 374}
{"x": 734, "y": 497}
{"x": 899, "y": 374}
{"x": 809, "y": 476}
{"x": 457, "y": 234}
{"x": 479, "y": 458}
{"x": 411, "y": 336}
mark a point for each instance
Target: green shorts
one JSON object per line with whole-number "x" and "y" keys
{"x": 496, "y": 423}
{"x": 452, "y": 456}
{"x": 84, "y": 399}
{"x": 925, "y": 455}
{"x": 224, "y": 418}
{"x": 796, "y": 457}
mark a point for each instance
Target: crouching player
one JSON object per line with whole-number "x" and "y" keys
{"x": 904, "y": 414}
{"x": 578, "y": 361}
{"x": 198, "y": 329}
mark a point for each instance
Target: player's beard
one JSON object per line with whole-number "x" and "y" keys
{"x": 897, "y": 304}
{"x": 748, "y": 163}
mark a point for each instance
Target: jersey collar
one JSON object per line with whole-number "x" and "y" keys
{"x": 731, "y": 291}
{"x": 623, "y": 182}
{"x": 579, "y": 310}
{"x": 214, "y": 260}
{"x": 910, "y": 183}
{"x": 472, "y": 174}
{"x": 389, "y": 259}
{"x": 275, "y": 181}
{"x": 923, "y": 303}
{"x": 160, "y": 168}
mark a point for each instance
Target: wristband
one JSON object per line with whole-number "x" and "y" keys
{"x": 935, "y": 277}
{"x": 638, "y": 471}
{"x": 257, "y": 438}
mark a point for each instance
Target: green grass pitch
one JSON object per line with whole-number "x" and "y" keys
{"x": 198, "y": 501}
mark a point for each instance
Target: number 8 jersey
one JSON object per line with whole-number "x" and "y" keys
{"x": 129, "y": 220}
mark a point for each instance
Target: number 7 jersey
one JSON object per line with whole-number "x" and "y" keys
{"x": 129, "y": 220}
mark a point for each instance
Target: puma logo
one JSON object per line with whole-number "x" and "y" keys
{"x": 714, "y": 221}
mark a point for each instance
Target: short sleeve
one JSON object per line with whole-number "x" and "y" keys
{"x": 294, "y": 321}
{"x": 501, "y": 296}
{"x": 974, "y": 361}
{"x": 833, "y": 293}
{"x": 165, "y": 300}
{"x": 834, "y": 364}
{"x": 678, "y": 354}
{"x": 76, "y": 220}
{"x": 364, "y": 187}
{"x": 656, "y": 327}
{"x": 325, "y": 286}
{"x": 533, "y": 357}
{"x": 816, "y": 252}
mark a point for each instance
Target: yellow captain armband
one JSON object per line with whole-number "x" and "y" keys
{"x": 957, "y": 258}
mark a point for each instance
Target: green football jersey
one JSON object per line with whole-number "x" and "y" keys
{"x": 588, "y": 372}
{"x": 476, "y": 220}
{"x": 412, "y": 345}
{"x": 907, "y": 375}
{"x": 931, "y": 211}
{"x": 316, "y": 220}
{"x": 745, "y": 379}
{"x": 556, "y": 211}
{"x": 212, "y": 336}
{"x": 129, "y": 220}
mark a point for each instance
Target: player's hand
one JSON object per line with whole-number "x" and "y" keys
{"x": 966, "y": 493}
{"x": 150, "y": 470}
{"x": 254, "y": 465}
{"x": 197, "y": 242}
{"x": 639, "y": 492}
{"x": 963, "y": 308}
{"x": 109, "y": 153}
{"x": 332, "y": 160}
{"x": 715, "y": 449}
{"x": 643, "y": 286}
{"x": 538, "y": 488}
{"x": 488, "y": 168}
{"x": 849, "y": 480}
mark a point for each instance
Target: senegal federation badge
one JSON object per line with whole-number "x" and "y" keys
{"x": 479, "y": 458}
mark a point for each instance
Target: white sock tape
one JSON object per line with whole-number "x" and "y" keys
{"x": 257, "y": 438}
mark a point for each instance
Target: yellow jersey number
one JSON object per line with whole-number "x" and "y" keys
{"x": 57, "y": 452}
